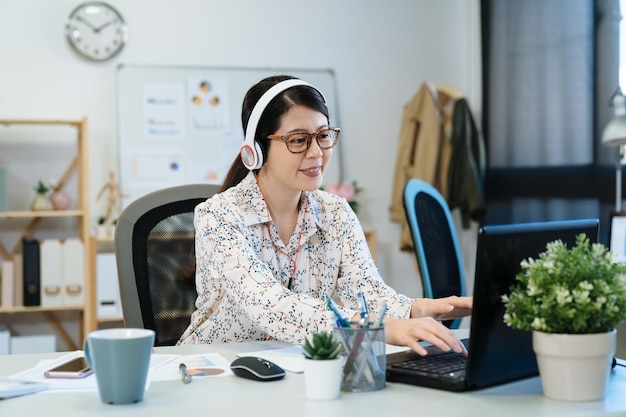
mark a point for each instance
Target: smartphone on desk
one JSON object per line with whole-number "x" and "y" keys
{"x": 74, "y": 368}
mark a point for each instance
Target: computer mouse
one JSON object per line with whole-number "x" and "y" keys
{"x": 258, "y": 369}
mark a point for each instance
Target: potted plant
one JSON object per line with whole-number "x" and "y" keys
{"x": 41, "y": 201}
{"x": 113, "y": 224}
{"x": 322, "y": 366}
{"x": 101, "y": 227}
{"x": 572, "y": 300}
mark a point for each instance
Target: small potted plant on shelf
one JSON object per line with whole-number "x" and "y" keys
{"x": 113, "y": 225}
{"x": 572, "y": 300}
{"x": 322, "y": 366}
{"x": 41, "y": 201}
{"x": 101, "y": 227}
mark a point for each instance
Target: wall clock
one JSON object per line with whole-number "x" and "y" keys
{"x": 96, "y": 31}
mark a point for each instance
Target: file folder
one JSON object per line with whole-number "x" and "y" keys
{"x": 32, "y": 272}
{"x": 51, "y": 272}
{"x": 73, "y": 272}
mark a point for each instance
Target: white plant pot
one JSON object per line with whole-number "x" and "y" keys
{"x": 574, "y": 367}
{"x": 41, "y": 202}
{"x": 322, "y": 379}
{"x": 102, "y": 231}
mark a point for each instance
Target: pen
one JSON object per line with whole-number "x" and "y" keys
{"x": 382, "y": 309}
{"x": 372, "y": 362}
{"x": 340, "y": 318}
{"x": 184, "y": 375}
{"x": 364, "y": 314}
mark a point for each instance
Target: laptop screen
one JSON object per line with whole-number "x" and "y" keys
{"x": 499, "y": 353}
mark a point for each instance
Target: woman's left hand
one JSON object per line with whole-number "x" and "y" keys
{"x": 446, "y": 308}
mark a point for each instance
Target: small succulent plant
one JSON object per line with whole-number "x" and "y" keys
{"x": 41, "y": 187}
{"x": 321, "y": 346}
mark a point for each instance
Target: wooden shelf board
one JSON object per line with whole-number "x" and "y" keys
{"x": 38, "y": 309}
{"x": 41, "y": 214}
{"x": 109, "y": 319}
{"x": 8, "y": 122}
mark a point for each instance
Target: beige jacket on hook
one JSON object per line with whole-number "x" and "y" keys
{"x": 424, "y": 147}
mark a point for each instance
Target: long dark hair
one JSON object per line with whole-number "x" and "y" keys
{"x": 269, "y": 122}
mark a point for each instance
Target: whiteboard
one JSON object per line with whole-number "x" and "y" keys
{"x": 182, "y": 125}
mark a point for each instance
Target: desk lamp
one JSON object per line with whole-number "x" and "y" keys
{"x": 614, "y": 135}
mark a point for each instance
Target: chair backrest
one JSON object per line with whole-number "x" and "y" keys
{"x": 435, "y": 242}
{"x": 155, "y": 253}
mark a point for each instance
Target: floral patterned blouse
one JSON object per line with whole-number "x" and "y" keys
{"x": 244, "y": 270}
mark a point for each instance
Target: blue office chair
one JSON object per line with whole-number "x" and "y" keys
{"x": 435, "y": 242}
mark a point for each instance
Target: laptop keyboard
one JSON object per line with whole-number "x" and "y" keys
{"x": 439, "y": 364}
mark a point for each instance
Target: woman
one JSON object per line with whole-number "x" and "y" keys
{"x": 271, "y": 248}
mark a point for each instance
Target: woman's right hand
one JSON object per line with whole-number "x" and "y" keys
{"x": 408, "y": 332}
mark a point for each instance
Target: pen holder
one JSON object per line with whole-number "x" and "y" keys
{"x": 364, "y": 369}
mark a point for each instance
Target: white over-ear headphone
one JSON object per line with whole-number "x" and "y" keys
{"x": 250, "y": 152}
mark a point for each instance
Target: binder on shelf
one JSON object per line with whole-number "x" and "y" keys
{"x": 51, "y": 272}
{"x": 31, "y": 270}
{"x": 8, "y": 280}
{"x": 107, "y": 288}
{"x": 73, "y": 272}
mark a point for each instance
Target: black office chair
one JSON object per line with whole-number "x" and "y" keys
{"x": 154, "y": 249}
{"x": 435, "y": 242}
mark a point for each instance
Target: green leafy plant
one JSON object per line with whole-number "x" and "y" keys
{"x": 572, "y": 291}
{"x": 41, "y": 187}
{"x": 321, "y": 346}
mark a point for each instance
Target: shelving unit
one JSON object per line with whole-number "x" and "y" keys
{"x": 77, "y": 167}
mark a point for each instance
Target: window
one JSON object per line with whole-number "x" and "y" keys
{"x": 547, "y": 83}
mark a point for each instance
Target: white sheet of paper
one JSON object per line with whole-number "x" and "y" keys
{"x": 289, "y": 358}
{"x": 198, "y": 366}
{"x": 88, "y": 383}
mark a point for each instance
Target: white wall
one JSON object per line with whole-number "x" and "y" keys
{"x": 380, "y": 51}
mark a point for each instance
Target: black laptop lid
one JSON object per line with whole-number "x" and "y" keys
{"x": 499, "y": 353}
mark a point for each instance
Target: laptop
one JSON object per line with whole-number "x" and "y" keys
{"x": 497, "y": 354}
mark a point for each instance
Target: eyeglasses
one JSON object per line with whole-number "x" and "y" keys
{"x": 299, "y": 142}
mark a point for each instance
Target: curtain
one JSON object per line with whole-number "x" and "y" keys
{"x": 550, "y": 68}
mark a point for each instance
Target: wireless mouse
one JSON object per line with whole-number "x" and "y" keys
{"x": 258, "y": 369}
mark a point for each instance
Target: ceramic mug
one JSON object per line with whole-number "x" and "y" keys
{"x": 120, "y": 359}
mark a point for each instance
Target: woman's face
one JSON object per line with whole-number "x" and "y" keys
{"x": 298, "y": 171}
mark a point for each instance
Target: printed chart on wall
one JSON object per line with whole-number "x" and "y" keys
{"x": 182, "y": 125}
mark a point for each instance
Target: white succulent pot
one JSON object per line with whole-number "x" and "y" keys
{"x": 574, "y": 367}
{"x": 322, "y": 378}
{"x": 41, "y": 202}
{"x": 102, "y": 231}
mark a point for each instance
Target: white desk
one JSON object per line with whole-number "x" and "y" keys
{"x": 233, "y": 396}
